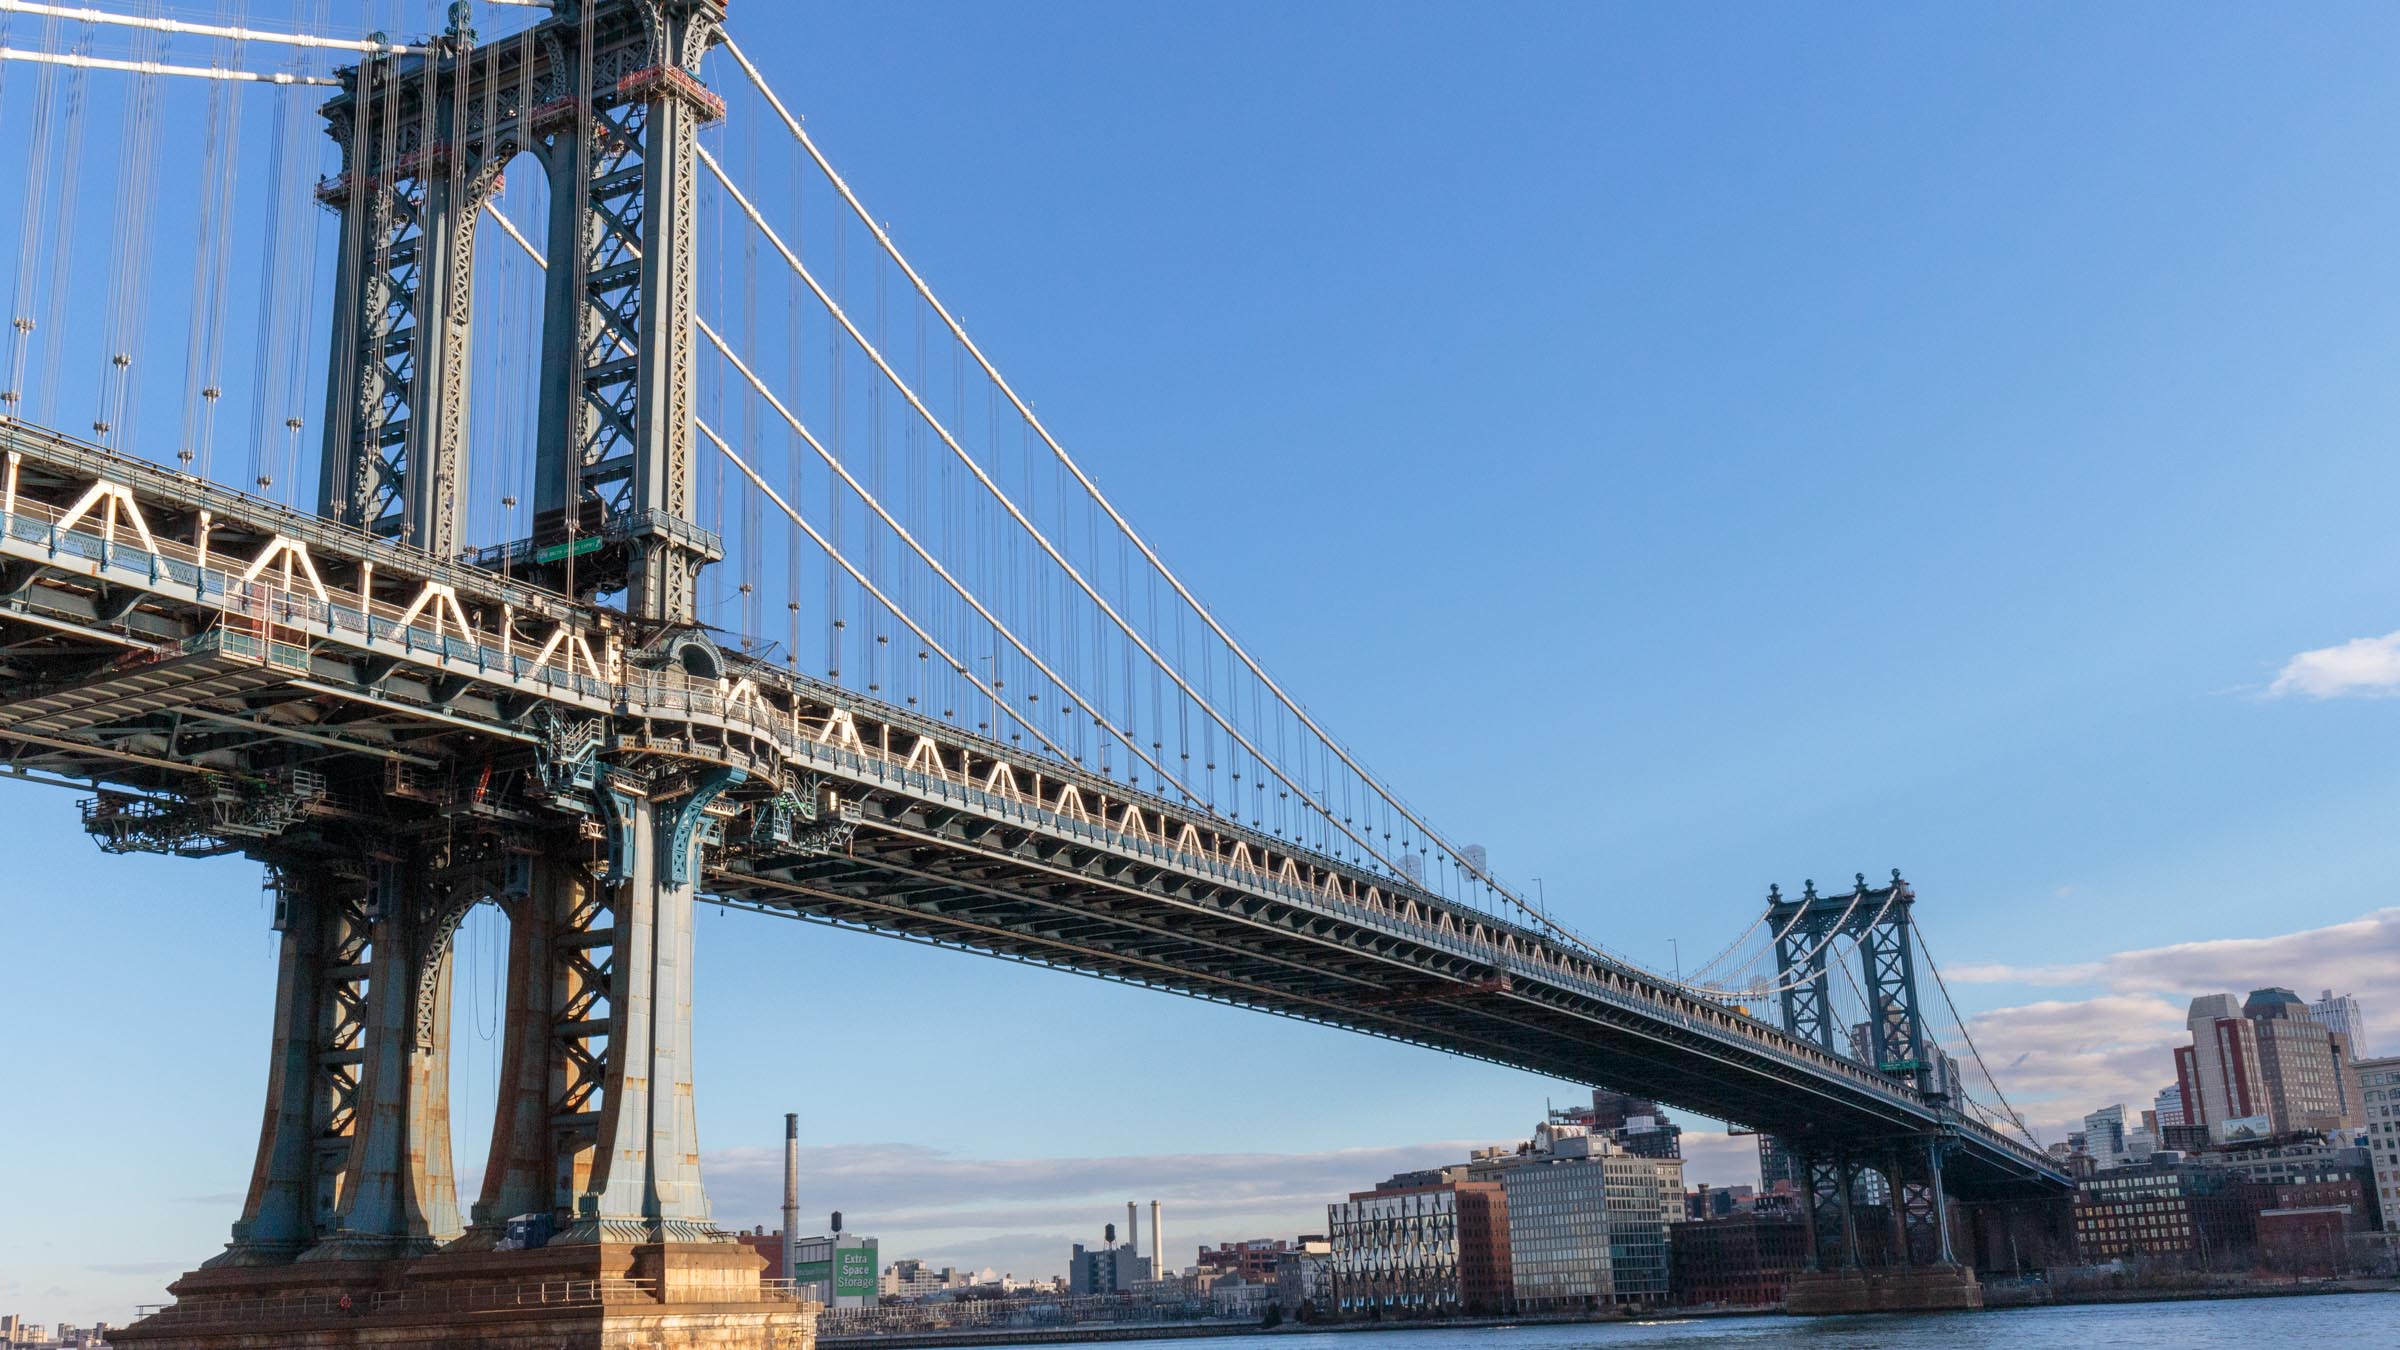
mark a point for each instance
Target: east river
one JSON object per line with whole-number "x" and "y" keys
{"x": 2318, "y": 1322}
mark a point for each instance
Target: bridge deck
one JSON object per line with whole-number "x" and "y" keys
{"x": 375, "y": 663}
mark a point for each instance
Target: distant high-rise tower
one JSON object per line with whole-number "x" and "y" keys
{"x": 2218, "y": 1072}
{"x": 2343, "y": 1015}
{"x": 2169, "y": 1105}
{"x": 2299, "y": 1063}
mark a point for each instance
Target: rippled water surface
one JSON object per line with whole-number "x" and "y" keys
{"x": 2322, "y": 1322}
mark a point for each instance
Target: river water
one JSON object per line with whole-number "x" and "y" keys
{"x": 2316, "y": 1322}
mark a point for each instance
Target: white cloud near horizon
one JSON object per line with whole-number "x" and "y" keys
{"x": 2060, "y": 1058}
{"x": 2367, "y": 667}
{"x": 2057, "y": 1058}
{"x": 1021, "y": 1215}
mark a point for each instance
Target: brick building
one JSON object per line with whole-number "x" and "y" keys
{"x": 1257, "y": 1261}
{"x": 2163, "y": 1210}
{"x": 1739, "y": 1262}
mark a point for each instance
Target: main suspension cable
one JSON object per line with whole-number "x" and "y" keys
{"x": 834, "y": 309}
{"x": 233, "y": 33}
{"x": 792, "y": 125}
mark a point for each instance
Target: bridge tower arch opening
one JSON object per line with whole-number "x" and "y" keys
{"x": 606, "y": 97}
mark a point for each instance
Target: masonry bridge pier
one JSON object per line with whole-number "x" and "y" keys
{"x": 401, "y": 727}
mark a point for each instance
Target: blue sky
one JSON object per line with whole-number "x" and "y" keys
{"x": 1682, "y": 448}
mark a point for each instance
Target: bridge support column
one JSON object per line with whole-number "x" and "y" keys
{"x": 1846, "y": 1196}
{"x": 1896, "y": 1185}
{"x": 313, "y": 1072}
{"x": 1903, "y": 1283}
{"x": 541, "y": 1132}
{"x": 645, "y": 1180}
{"x": 397, "y": 1196}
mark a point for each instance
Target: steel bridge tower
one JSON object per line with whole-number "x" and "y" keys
{"x": 595, "y": 1149}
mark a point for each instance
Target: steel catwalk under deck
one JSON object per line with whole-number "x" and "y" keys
{"x": 391, "y": 683}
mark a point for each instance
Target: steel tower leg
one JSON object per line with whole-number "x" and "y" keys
{"x": 1934, "y": 1148}
{"x": 1897, "y": 1189}
{"x": 616, "y": 452}
{"x": 397, "y": 1195}
{"x": 526, "y": 1126}
{"x": 1848, "y": 1199}
{"x": 394, "y": 458}
{"x": 312, "y": 1078}
{"x": 1808, "y": 1212}
{"x": 645, "y": 1180}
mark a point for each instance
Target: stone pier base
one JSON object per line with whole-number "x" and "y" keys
{"x": 1921, "y": 1289}
{"x": 698, "y": 1296}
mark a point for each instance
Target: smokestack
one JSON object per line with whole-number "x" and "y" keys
{"x": 1133, "y": 1228}
{"x": 791, "y": 1193}
{"x": 1158, "y": 1245}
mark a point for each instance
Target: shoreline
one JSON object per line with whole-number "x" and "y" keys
{"x": 1174, "y": 1331}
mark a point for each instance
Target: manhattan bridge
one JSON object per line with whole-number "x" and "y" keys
{"x": 575, "y": 502}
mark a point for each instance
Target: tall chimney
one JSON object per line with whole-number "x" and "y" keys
{"x": 791, "y": 1194}
{"x": 1133, "y": 1228}
{"x": 1158, "y": 1245}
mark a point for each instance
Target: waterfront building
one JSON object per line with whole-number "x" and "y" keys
{"x": 1588, "y": 1221}
{"x": 2343, "y": 1017}
{"x": 2312, "y": 1240}
{"x": 2296, "y": 1062}
{"x": 2167, "y": 1209}
{"x": 1418, "y": 1247}
{"x": 1235, "y": 1297}
{"x": 1304, "y": 1278}
{"x": 2291, "y": 1159}
{"x": 2379, "y": 1098}
{"x": 910, "y": 1279}
{"x": 838, "y": 1270}
{"x": 1111, "y": 1268}
{"x": 1256, "y": 1260}
{"x": 1738, "y": 1262}
{"x": 1636, "y": 1125}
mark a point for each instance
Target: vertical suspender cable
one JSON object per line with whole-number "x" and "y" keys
{"x": 63, "y": 200}
{"x": 1240, "y": 653}
{"x": 25, "y": 298}
{"x": 129, "y": 259}
{"x": 266, "y": 394}
{"x": 204, "y": 349}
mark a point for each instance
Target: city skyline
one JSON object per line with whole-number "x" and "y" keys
{"x": 2111, "y": 692}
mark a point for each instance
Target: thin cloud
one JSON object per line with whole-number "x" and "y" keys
{"x": 2060, "y": 1058}
{"x": 1997, "y": 972}
{"x": 2367, "y": 667}
{"x": 1021, "y": 1215}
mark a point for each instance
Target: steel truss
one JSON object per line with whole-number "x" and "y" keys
{"x": 606, "y": 98}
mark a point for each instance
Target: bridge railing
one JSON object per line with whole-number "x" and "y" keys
{"x": 426, "y": 632}
{"x": 1620, "y": 987}
{"x": 1623, "y": 988}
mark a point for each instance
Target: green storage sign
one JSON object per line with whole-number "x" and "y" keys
{"x": 854, "y": 1272}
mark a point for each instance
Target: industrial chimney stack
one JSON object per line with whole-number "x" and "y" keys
{"x": 791, "y": 1194}
{"x": 1133, "y": 1229}
{"x": 1158, "y": 1245}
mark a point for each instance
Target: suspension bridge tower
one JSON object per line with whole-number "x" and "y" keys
{"x": 593, "y": 1227}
